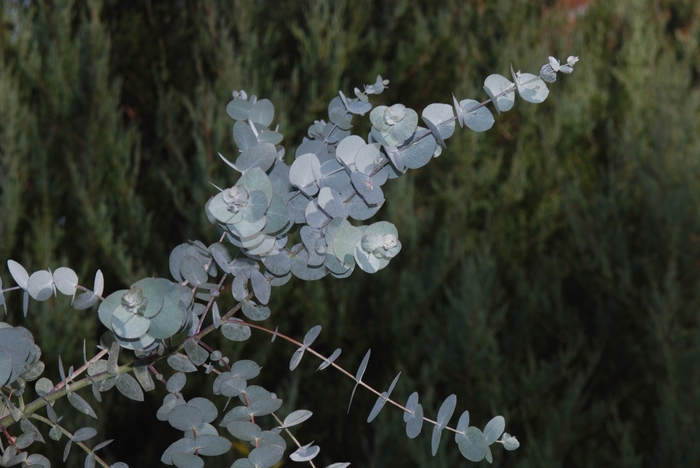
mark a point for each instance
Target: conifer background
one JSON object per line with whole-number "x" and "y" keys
{"x": 551, "y": 266}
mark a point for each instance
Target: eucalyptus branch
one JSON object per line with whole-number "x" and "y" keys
{"x": 335, "y": 177}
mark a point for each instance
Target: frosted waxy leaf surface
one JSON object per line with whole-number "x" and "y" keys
{"x": 296, "y": 417}
{"x": 40, "y": 285}
{"x": 494, "y": 429}
{"x": 478, "y": 120}
{"x": 438, "y": 118}
{"x": 19, "y": 274}
{"x": 530, "y": 87}
{"x": 65, "y": 279}
{"x": 495, "y": 84}
{"x": 472, "y": 444}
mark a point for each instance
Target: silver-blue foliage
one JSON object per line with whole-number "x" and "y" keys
{"x": 335, "y": 177}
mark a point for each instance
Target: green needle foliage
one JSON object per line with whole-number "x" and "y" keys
{"x": 548, "y": 267}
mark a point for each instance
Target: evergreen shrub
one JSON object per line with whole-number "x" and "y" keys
{"x": 276, "y": 221}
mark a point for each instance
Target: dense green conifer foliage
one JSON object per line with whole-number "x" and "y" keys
{"x": 549, "y": 267}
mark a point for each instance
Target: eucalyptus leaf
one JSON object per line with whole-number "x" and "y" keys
{"x": 129, "y": 387}
{"x": 185, "y": 417}
{"x": 235, "y": 331}
{"x": 19, "y": 274}
{"x": 296, "y": 417}
{"x": 244, "y": 430}
{"x": 183, "y": 445}
{"x": 81, "y": 405}
{"x": 212, "y": 445}
{"x": 181, "y": 363}
{"x": 359, "y": 374}
{"x": 197, "y": 354}
{"x": 187, "y": 460}
{"x": 176, "y": 382}
{"x": 311, "y": 335}
{"x": 65, "y": 280}
{"x": 494, "y": 429}
{"x": 84, "y": 433}
{"x": 255, "y": 312}
{"x": 472, "y": 444}
{"x": 305, "y": 453}
{"x": 330, "y": 360}
{"x": 265, "y": 456}
{"x": 415, "y": 422}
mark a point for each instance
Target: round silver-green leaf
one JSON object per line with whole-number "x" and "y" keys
{"x": 65, "y": 280}
{"x": 40, "y": 285}
{"x": 472, "y": 444}
{"x": 235, "y": 331}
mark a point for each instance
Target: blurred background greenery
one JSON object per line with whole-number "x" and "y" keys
{"x": 551, "y": 266}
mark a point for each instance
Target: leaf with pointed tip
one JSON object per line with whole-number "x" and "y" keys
{"x": 261, "y": 286}
{"x": 358, "y": 375}
{"x": 38, "y": 461}
{"x": 410, "y": 406}
{"x": 81, "y": 405}
{"x": 305, "y": 453}
{"x": 296, "y": 417}
{"x": 330, "y": 360}
{"x": 296, "y": 358}
{"x": 311, "y": 335}
{"x": 84, "y": 301}
{"x": 379, "y": 404}
{"x": 102, "y": 445}
{"x": 435, "y": 439}
{"x": 462, "y": 424}
{"x": 215, "y": 316}
{"x": 84, "y": 433}
{"x": 446, "y": 410}
{"x": 66, "y": 450}
{"x": 25, "y": 440}
{"x": 129, "y": 387}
